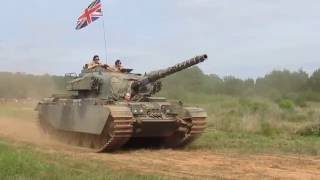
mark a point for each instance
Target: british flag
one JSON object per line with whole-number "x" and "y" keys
{"x": 90, "y": 14}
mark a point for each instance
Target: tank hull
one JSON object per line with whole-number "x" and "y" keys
{"x": 107, "y": 126}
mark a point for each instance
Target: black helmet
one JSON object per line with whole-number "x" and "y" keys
{"x": 95, "y": 57}
{"x": 117, "y": 62}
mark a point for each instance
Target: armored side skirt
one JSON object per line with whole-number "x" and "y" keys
{"x": 87, "y": 117}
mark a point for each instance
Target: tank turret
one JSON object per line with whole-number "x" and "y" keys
{"x": 103, "y": 84}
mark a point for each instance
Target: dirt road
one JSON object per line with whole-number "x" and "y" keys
{"x": 186, "y": 164}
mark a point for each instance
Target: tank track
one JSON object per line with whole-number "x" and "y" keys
{"x": 191, "y": 128}
{"x": 117, "y": 132}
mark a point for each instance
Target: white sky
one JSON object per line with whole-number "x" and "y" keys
{"x": 246, "y": 38}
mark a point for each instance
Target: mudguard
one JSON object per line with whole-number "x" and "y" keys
{"x": 76, "y": 116}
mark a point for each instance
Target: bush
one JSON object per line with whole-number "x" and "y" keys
{"x": 286, "y": 104}
{"x": 298, "y": 99}
{"x": 310, "y": 130}
{"x": 268, "y": 130}
{"x": 311, "y": 96}
{"x": 253, "y": 106}
{"x": 301, "y": 102}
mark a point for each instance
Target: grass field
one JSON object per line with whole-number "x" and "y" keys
{"x": 24, "y": 162}
{"x": 239, "y": 124}
{"x": 235, "y": 124}
{"x": 259, "y": 125}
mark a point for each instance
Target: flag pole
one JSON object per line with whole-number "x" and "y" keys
{"x": 105, "y": 40}
{"x": 104, "y": 35}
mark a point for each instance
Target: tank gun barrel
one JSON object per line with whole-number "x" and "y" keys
{"x": 156, "y": 75}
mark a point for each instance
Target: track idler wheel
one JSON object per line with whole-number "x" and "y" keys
{"x": 191, "y": 128}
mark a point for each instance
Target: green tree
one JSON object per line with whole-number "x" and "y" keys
{"x": 282, "y": 82}
{"x": 314, "y": 81}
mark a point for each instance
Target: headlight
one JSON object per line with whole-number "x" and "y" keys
{"x": 166, "y": 109}
{"x": 137, "y": 110}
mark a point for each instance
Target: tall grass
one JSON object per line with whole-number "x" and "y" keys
{"x": 257, "y": 124}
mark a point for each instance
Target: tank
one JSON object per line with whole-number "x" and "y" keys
{"x": 106, "y": 110}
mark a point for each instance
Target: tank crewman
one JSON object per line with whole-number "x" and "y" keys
{"x": 95, "y": 62}
{"x": 118, "y": 65}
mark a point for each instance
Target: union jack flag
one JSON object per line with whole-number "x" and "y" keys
{"x": 90, "y": 14}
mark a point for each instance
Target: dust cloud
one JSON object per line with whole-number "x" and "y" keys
{"x": 25, "y": 131}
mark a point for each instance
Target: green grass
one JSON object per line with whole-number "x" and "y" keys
{"x": 244, "y": 142}
{"x": 259, "y": 125}
{"x": 23, "y": 162}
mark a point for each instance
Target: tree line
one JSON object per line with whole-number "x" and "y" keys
{"x": 21, "y": 85}
{"x": 275, "y": 84}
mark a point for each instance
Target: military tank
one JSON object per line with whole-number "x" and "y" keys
{"x": 105, "y": 110}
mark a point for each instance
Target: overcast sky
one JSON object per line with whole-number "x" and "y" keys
{"x": 246, "y": 38}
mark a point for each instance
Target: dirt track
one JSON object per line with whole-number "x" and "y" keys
{"x": 193, "y": 164}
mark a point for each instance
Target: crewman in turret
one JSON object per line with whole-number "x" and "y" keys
{"x": 95, "y": 62}
{"x": 118, "y": 65}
